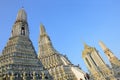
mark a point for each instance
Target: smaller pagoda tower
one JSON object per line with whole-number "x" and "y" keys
{"x": 95, "y": 64}
{"x": 115, "y": 62}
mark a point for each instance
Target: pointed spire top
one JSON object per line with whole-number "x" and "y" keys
{"x": 86, "y": 50}
{"x": 42, "y": 29}
{"x": 85, "y": 45}
{"x": 21, "y": 16}
{"x": 103, "y": 46}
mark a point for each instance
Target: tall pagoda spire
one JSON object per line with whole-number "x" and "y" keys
{"x": 45, "y": 44}
{"x": 20, "y": 27}
{"x": 106, "y": 50}
{"x": 112, "y": 58}
{"x": 56, "y": 63}
{"x": 44, "y": 35}
{"x": 19, "y": 57}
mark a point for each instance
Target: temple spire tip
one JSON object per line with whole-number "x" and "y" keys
{"x": 21, "y": 16}
{"x": 42, "y": 29}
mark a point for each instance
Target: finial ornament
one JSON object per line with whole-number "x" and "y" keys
{"x": 22, "y": 3}
{"x": 22, "y": 7}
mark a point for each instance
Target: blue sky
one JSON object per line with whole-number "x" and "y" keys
{"x": 69, "y": 23}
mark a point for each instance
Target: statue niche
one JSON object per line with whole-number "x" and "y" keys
{"x": 22, "y": 30}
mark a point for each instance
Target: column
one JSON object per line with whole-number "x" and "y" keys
{"x": 34, "y": 76}
{"x": 12, "y": 77}
{"x": 24, "y": 76}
